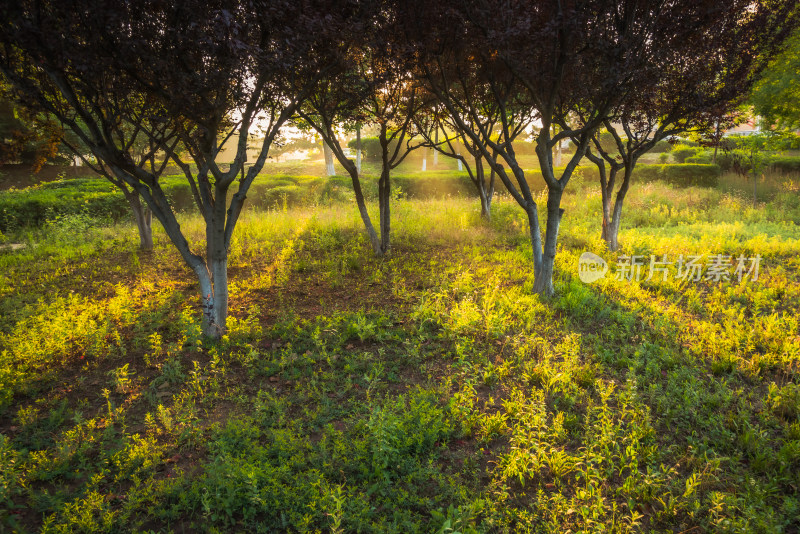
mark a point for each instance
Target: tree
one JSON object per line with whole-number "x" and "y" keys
{"x": 699, "y": 95}
{"x": 484, "y": 59}
{"x": 776, "y": 97}
{"x": 188, "y": 73}
{"x": 749, "y": 154}
{"x": 429, "y": 124}
{"x": 555, "y": 60}
{"x": 372, "y": 87}
{"x": 36, "y": 136}
{"x": 32, "y": 138}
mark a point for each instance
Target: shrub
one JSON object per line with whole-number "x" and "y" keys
{"x": 36, "y": 205}
{"x": 285, "y": 195}
{"x": 700, "y": 157}
{"x": 93, "y": 197}
{"x": 435, "y": 186}
{"x": 681, "y": 152}
{"x": 785, "y": 163}
{"x": 724, "y": 160}
{"x": 684, "y": 174}
{"x": 648, "y": 173}
{"x": 371, "y": 148}
{"x": 692, "y": 174}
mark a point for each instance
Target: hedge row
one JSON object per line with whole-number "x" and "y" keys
{"x": 785, "y": 163}
{"x": 781, "y": 164}
{"x": 96, "y": 197}
{"x": 681, "y": 175}
{"x": 36, "y": 205}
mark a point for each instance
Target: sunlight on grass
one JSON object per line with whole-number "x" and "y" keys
{"x": 404, "y": 394}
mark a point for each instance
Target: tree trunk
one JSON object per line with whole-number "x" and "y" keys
{"x": 486, "y": 206}
{"x": 716, "y": 144}
{"x": 362, "y": 207}
{"x": 328, "y": 153}
{"x": 543, "y": 279}
{"x": 613, "y": 217}
{"x": 606, "y": 200}
{"x": 219, "y": 274}
{"x": 217, "y": 263}
{"x": 613, "y": 227}
{"x": 209, "y": 323}
{"x": 384, "y": 192}
{"x": 213, "y": 296}
{"x": 532, "y": 211}
{"x": 358, "y": 149}
{"x": 143, "y": 219}
{"x": 485, "y": 193}
{"x": 616, "y": 216}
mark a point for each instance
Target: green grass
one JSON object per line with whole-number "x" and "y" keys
{"x": 430, "y": 391}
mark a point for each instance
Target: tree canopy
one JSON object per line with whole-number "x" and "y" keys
{"x": 776, "y": 97}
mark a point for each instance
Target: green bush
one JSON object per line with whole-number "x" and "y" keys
{"x": 36, "y": 205}
{"x": 435, "y": 185}
{"x": 284, "y": 195}
{"x": 724, "y": 160}
{"x": 371, "y": 148}
{"x": 701, "y": 157}
{"x": 681, "y": 152}
{"x": 692, "y": 174}
{"x": 785, "y": 163}
{"x": 648, "y": 173}
{"x": 684, "y": 174}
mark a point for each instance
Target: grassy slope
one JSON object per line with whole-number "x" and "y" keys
{"x": 427, "y": 391}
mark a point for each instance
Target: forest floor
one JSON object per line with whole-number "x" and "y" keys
{"x": 428, "y": 391}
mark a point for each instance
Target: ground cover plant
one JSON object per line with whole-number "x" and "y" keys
{"x": 427, "y": 391}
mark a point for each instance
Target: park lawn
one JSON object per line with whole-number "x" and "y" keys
{"x": 429, "y": 391}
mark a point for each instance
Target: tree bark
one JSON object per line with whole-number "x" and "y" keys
{"x": 612, "y": 230}
{"x": 219, "y": 261}
{"x": 543, "y": 278}
{"x": 612, "y": 217}
{"x": 485, "y": 192}
{"x": 143, "y": 219}
{"x": 606, "y": 200}
{"x": 362, "y": 206}
{"x": 384, "y": 192}
{"x": 351, "y": 169}
{"x": 486, "y": 206}
{"x": 358, "y": 149}
{"x": 328, "y": 153}
{"x": 532, "y": 211}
